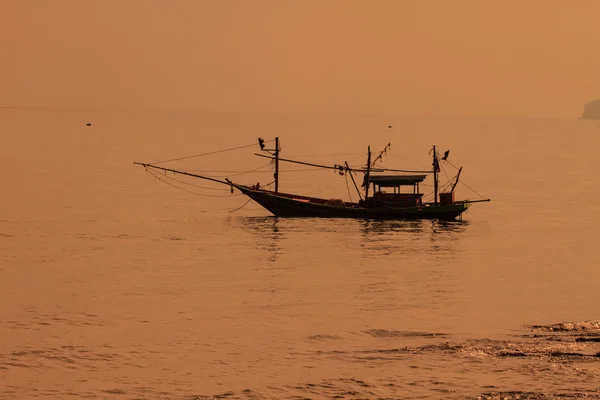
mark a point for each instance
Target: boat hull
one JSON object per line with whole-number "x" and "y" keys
{"x": 282, "y": 205}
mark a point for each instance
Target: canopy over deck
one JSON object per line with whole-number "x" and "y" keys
{"x": 396, "y": 180}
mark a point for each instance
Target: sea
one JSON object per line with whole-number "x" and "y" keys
{"x": 120, "y": 283}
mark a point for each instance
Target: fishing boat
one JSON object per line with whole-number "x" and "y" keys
{"x": 386, "y": 193}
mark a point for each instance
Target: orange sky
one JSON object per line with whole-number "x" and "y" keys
{"x": 414, "y": 58}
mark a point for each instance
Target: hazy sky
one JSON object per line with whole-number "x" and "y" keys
{"x": 419, "y": 57}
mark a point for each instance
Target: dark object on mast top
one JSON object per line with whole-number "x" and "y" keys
{"x": 446, "y": 155}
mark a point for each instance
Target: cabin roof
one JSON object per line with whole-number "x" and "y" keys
{"x": 396, "y": 180}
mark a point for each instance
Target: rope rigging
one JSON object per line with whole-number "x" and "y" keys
{"x": 209, "y": 153}
{"x": 253, "y": 170}
{"x": 345, "y": 169}
{"x": 348, "y": 187}
{"x": 191, "y": 184}
{"x": 240, "y": 207}
{"x": 445, "y": 158}
{"x": 157, "y": 176}
{"x": 342, "y": 168}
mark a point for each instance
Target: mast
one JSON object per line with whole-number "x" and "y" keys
{"x": 435, "y": 177}
{"x": 367, "y": 174}
{"x": 456, "y": 182}
{"x": 277, "y": 164}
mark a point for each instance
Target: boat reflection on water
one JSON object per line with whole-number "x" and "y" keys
{"x": 436, "y": 227}
{"x": 410, "y": 237}
{"x": 378, "y": 238}
{"x": 380, "y": 227}
{"x": 268, "y": 231}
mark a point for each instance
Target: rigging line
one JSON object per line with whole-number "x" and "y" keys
{"x": 398, "y": 171}
{"x": 406, "y": 170}
{"x": 240, "y": 207}
{"x": 348, "y": 188}
{"x": 362, "y": 156}
{"x": 406, "y": 159}
{"x": 241, "y": 173}
{"x": 451, "y": 164}
{"x": 380, "y": 156}
{"x": 338, "y": 167}
{"x": 449, "y": 183}
{"x": 444, "y": 171}
{"x": 219, "y": 170}
{"x": 209, "y": 153}
{"x": 262, "y": 172}
{"x": 191, "y": 184}
{"x": 324, "y": 155}
{"x": 444, "y": 187}
{"x": 185, "y": 190}
{"x": 428, "y": 196}
{"x": 253, "y": 170}
{"x": 473, "y": 190}
{"x": 335, "y": 167}
{"x": 298, "y": 170}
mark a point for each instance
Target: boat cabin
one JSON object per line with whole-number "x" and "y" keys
{"x": 396, "y": 190}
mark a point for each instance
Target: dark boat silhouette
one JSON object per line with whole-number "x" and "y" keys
{"x": 393, "y": 196}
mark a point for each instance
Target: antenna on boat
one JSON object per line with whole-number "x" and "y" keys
{"x": 275, "y": 153}
{"x": 367, "y": 174}
{"x": 277, "y": 164}
{"x": 436, "y": 168}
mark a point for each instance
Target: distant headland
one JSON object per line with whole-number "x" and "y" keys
{"x": 591, "y": 110}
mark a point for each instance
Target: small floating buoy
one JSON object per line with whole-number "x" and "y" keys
{"x": 389, "y": 126}
{"x": 88, "y": 124}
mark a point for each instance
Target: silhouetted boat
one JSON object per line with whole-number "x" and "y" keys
{"x": 394, "y": 196}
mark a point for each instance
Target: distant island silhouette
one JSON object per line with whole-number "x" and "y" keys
{"x": 591, "y": 110}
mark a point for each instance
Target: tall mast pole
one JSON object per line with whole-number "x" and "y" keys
{"x": 367, "y": 174}
{"x": 277, "y": 165}
{"x": 435, "y": 177}
{"x": 456, "y": 181}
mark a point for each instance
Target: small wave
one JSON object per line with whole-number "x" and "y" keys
{"x": 86, "y": 236}
{"x": 384, "y": 333}
{"x": 218, "y": 396}
{"x": 114, "y": 391}
{"x": 73, "y": 356}
{"x": 324, "y": 337}
{"x": 572, "y": 351}
{"x": 514, "y": 395}
{"x": 568, "y": 326}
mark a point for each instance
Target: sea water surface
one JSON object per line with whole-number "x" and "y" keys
{"x": 115, "y": 285}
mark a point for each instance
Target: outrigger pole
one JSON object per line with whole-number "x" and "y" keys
{"x": 335, "y": 167}
{"x": 176, "y": 171}
{"x": 340, "y": 167}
